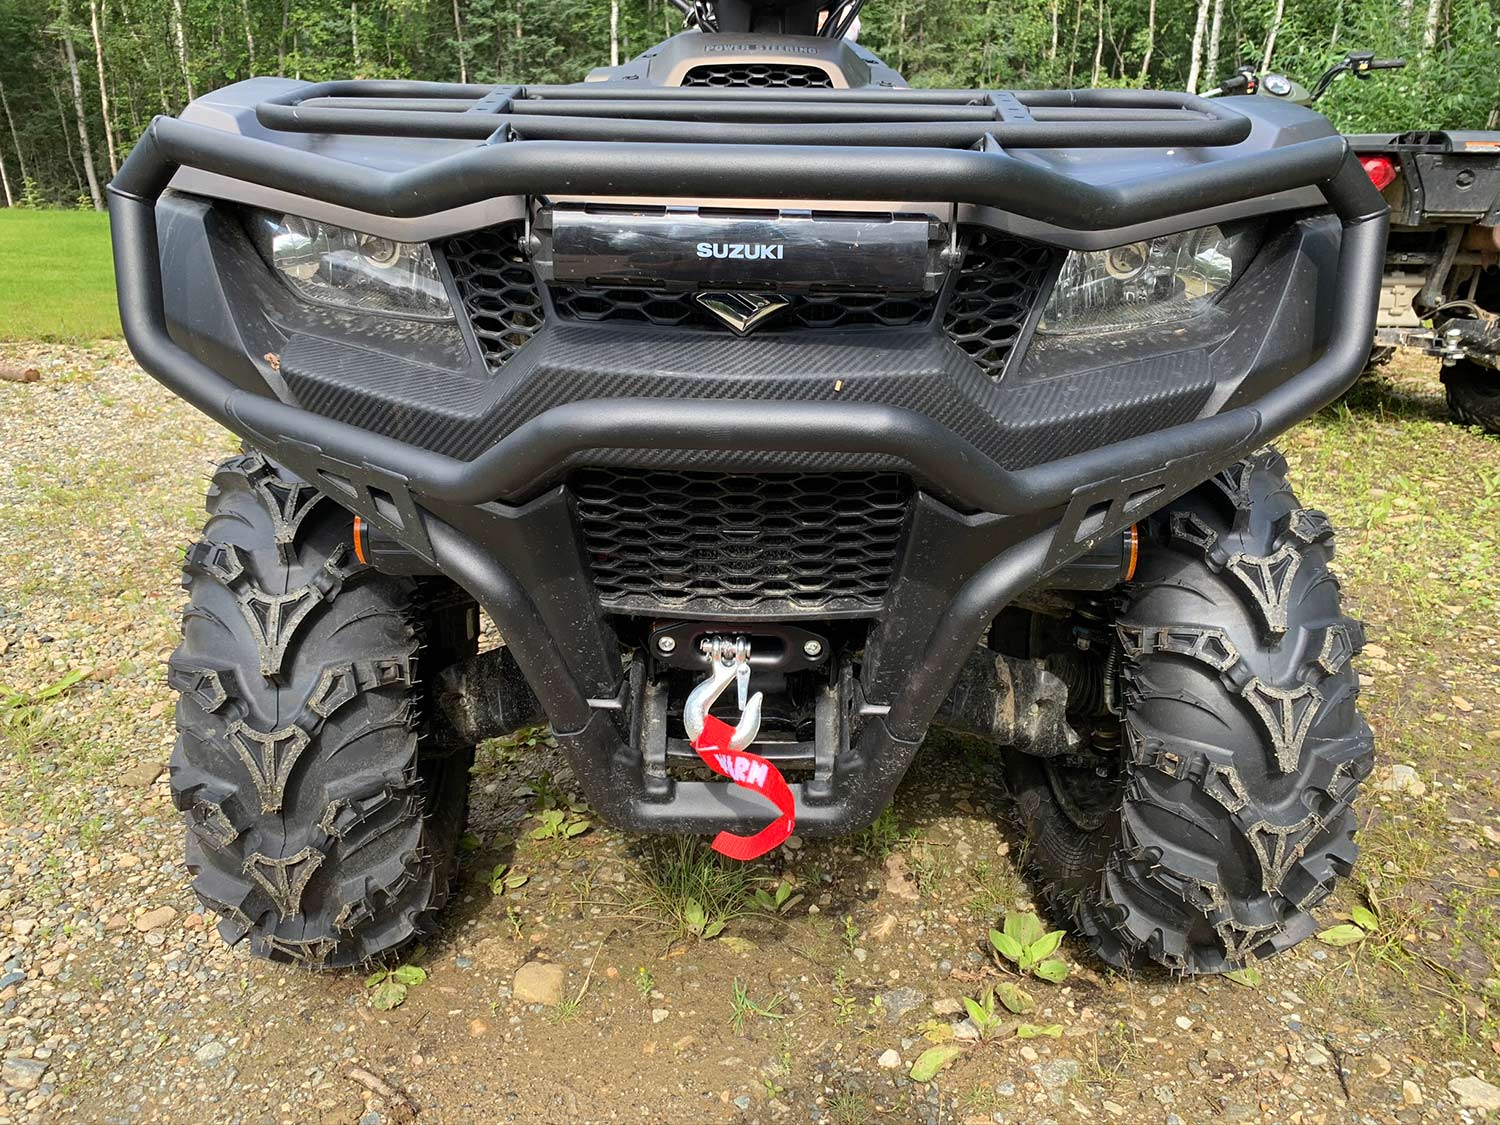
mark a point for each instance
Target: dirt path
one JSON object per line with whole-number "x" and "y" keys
{"x": 118, "y": 1002}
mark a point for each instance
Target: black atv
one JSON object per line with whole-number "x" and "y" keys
{"x": 744, "y": 365}
{"x": 1441, "y": 291}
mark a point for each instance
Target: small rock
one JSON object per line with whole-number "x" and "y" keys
{"x": 898, "y": 880}
{"x": 211, "y": 1052}
{"x": 142, "y": 776}
{"x": 22, "y": 1074}
{"x": 477, "y": 1028}
{"x": 1475, "y": 1093}
{"x": 659, "y": 1014}
{"x": 947, "y": 1007}
{"x": 1056, "y": 1073}
{"x": 461, "y": 962}
{"x": 1315, "y": 1056}
{"x": 898, "y": 1001}
{"x": 1411, "y": 1093}
{"x": 155, "y": 919}
{"x": 889, "y": 1059}
{"x": 1184, "y": 1023}
{"x": 1402, "y": 778}
{"x": 882, "y": 929}
{"x": 1114, "y": 1109}
{"x": 537, "y": 982}
{"x": 23, "y": 927}
{"x": 742, "y": 1102}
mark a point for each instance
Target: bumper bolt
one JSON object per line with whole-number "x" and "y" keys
{"x": 813, "y": 648}
{"x": 666, "y": 644}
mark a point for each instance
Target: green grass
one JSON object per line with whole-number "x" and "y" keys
{"x": 57, "y": 280}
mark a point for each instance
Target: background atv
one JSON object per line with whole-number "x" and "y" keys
{"x": 1441, "y": 291}
{"x": 743, "y": 363}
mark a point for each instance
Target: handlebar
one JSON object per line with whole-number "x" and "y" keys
{"x": 1386, "y": 64}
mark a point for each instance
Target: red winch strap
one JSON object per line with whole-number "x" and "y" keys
{"x": 752, "y": 772}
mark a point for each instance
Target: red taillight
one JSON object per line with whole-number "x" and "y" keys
{"x": 1380, "y": 169}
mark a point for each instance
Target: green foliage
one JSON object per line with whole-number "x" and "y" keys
{"x": 697, "y": 921}
{"x": 1027, "y": 944}
{"x": 775, "y": 902}
{"x": 645, "y": 982}
{"x": 560, "y": 824}
{"x": 25, "y": 708}
{"x": 685, "y": 888}
{"x": 1363, "y": 924}
{"x": 986, "y": 1014}
{"x": 742, "y": 1008}
{"x": 504, "y": 878}
{"x": 884, "y": 835}
{"x": 934, "y": 1059}
{"x": 388, "y": 987}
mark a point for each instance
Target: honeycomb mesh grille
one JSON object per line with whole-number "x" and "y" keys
{"x": 682, "y": 310}
{"x": 711, "y": 541}
{"x": 763, "y": 75}
{"x": 994, "y": 295}
{"x": 498, "y": 288}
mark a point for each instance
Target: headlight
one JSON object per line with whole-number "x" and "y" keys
{"x": 330, "y": 265}
{"x": 1162, "y": 279}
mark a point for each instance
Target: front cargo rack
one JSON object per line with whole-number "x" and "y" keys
{"x": 711, "y": 115}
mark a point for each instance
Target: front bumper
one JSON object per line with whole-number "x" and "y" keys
{"x": 983, "y": 529}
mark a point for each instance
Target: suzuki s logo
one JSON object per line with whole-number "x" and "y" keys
{"x": 745, "y": 251}
{"x": 743, "y": 313}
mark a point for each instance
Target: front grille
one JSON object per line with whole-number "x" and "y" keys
{"x": 681, "y": 310}
{"x": 996, "y": 290}
{"x": 762, "y": 75}
{"x": 499, "y": 290}
{"x": 717, "y": 542}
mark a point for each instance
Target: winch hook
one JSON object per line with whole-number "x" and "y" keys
{"x": 729, "y": 662}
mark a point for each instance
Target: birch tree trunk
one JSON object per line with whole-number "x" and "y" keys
{"x": 458, "y": 34}
{"x": 1073, "y": 43}
{"x": 1195, "y": 68}
{"x": 179, "y": 32}
{"x": 286, "y": 17}
{"x": 614, "y": 32}
{"x": 83, "y": 124}
{"x": 249, "y": 34}
{"x": 1150, "y": 40}
{"x": 1434, "y": 18}
{"x": 10, "y": 200}
{"x": 62, "y": 119}
{"x": 354, "y": 32}
{"x": 1052, "y": 54}
{"x": 1098, "y": 45}
{"x": 1270, "y": 52}
{"x": 15, "y": 137}
{"x": 109, "y": 129}
{"x": 1211, "y": 67}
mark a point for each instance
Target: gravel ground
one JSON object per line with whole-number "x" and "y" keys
{"x": 119, "y": 1003}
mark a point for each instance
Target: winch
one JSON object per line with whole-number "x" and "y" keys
{"x": 695, "y": 248}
